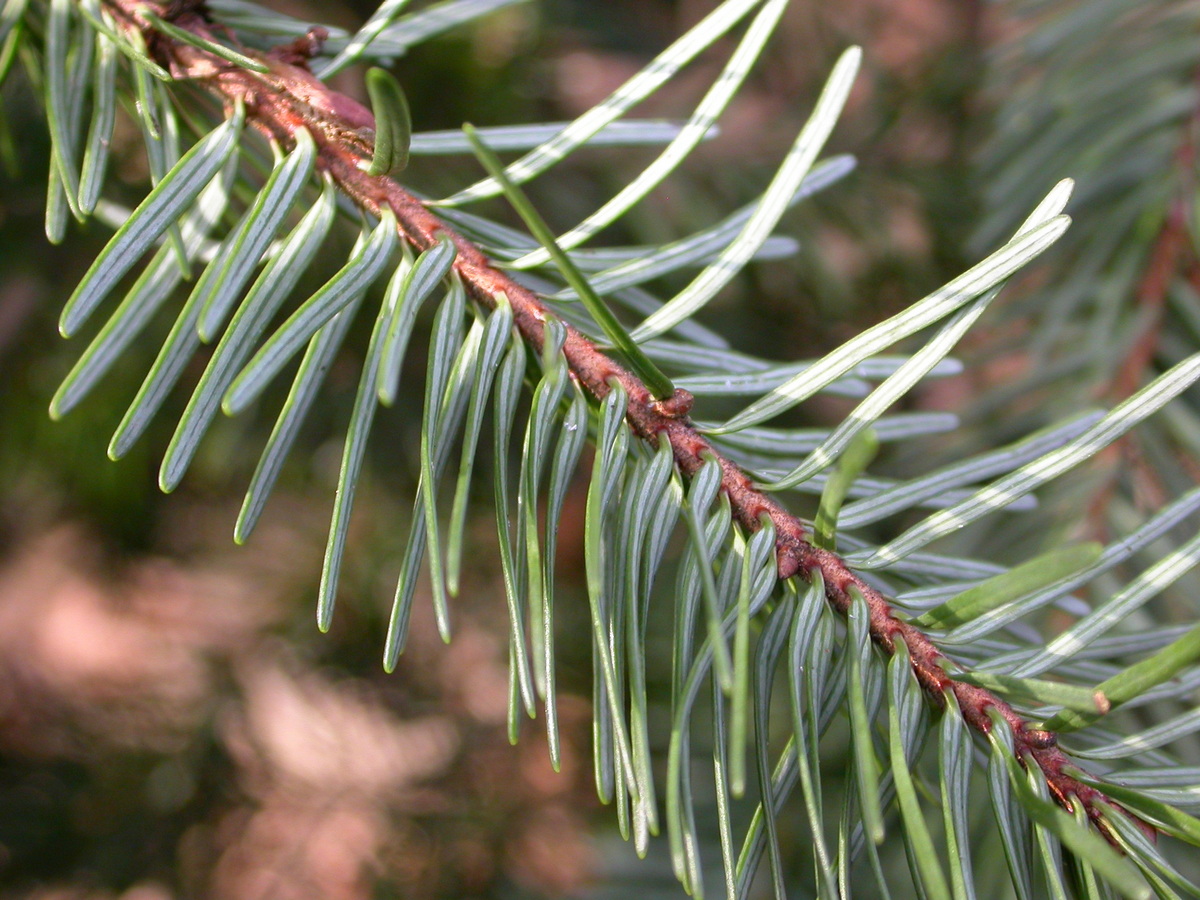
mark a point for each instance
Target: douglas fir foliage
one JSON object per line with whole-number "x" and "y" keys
{"x": 928, "y": 668}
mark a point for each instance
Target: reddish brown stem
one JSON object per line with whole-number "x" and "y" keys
{"x": 288, "y": 98}
{"x": 1162, "y": 268}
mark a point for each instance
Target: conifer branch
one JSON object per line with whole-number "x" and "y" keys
{"x": 287, "y": 97}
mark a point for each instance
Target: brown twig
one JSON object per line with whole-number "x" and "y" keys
{"x": 1170, "y": 257}
{"x": 288, "y": 97}
{"x": 1162, "y": 267}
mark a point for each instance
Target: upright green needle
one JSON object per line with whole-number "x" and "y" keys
{"x": 643, "y": 367}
